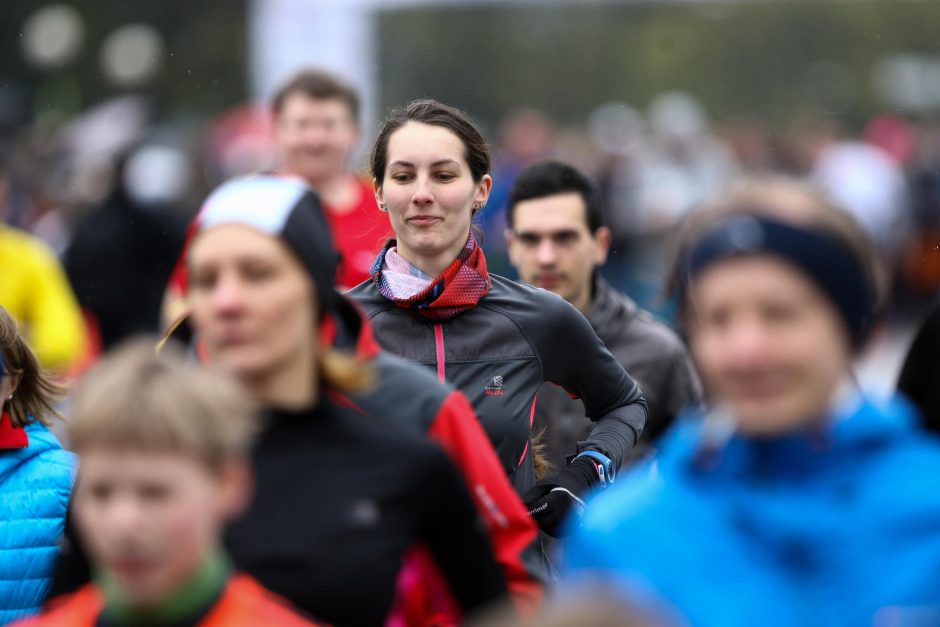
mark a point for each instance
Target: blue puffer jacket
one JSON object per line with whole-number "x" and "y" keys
{"x": 35, "y": 485}
{"x": 835, "y": 528}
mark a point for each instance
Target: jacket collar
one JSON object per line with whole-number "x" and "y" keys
{"x": 12, "y": 437}
{"x": 849, "y": 428}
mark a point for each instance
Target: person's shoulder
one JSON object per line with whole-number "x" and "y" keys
{"x": 247, "y": 602}
{"x": 406, "y": 455}
{"x": 44, "y": 447}
{"x": 523, "y": 299}
{"x": 43, "y": 440}
{"x": 911, "y": 456}
{"x": 371, "y": 429}
{"x": 405, "y": 392}
{"x": 79, "y": 608}
{"x": 620, "y": 318}
{"x": 25, "y": 247}
{"x": 43, "y": 472}
{"x": 366, "y": 288}
{"x": 369, "y": 297}
{"x": 507, "y": 288}
{"x": 12, "y": 236}
{"x": 646, "y": 328}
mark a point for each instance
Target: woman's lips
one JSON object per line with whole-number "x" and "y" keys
{"x": 232, "y": 338}
{"x": 423, "y": 220}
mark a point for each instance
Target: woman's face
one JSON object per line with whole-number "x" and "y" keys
{"x": 767, "y": 343}
{"x": 429, "y": 193}
{"x": 252, "y": 302}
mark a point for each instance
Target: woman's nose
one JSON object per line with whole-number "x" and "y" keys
{"x": 747, "y": 344}
{"x": 422, "y": 193}
{"x": 227, "y": 295}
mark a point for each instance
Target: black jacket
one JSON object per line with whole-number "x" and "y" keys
{"x": 409, "y": 398}
{"x": 340, "y": 501}
{"x": 649, "y": 350}
{"x": 501, "y": 351}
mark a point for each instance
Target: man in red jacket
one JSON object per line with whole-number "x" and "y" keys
{"x": 316, "y": 130}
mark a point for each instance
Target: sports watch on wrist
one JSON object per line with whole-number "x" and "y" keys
{"x": 606, "y": 470}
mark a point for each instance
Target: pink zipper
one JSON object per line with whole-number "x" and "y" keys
{"x": 439, "y": 342}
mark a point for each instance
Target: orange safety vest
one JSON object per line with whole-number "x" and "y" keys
{"x": 244, "y": 603}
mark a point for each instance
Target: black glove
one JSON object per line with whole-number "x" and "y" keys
{"x": 552, "y": 499}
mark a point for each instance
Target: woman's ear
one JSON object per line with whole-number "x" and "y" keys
{"x": 379, "y": 196}
{"x": 15, "y": 381}
{"x": 483, "y": 189}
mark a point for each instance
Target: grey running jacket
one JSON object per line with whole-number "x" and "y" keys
{"x": 500, "y": 352}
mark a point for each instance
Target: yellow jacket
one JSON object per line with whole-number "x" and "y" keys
{"x": 35, "y": 291}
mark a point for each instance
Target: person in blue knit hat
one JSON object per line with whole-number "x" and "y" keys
{"x": 791, "y": 499}
{"x": 36, "y": 477}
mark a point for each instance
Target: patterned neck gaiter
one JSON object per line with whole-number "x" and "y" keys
{"x": 459, "y": 287}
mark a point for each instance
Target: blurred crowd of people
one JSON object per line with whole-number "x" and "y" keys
{"x": 116, "y": 183}
{"x": 654, "y": 167}
{"x": 340, "y": 413}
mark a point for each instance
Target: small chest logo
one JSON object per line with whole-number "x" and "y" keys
{"x": 495, "y": 386}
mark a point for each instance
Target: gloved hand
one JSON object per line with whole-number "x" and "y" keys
{"x": 551, "y": 500}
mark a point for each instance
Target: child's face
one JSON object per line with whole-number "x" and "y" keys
{"x": 149, "y": 519}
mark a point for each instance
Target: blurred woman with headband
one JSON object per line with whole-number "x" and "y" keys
{"x": 794, "y": 499}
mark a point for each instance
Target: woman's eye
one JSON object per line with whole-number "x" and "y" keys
{"x": 401, "y": 177}
{"x": 258, "y": 273}
{"x": 446, "y": 176}
{"x": 200, "y": 281}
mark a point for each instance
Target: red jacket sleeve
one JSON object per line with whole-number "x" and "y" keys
{"x": 513, "y": 533}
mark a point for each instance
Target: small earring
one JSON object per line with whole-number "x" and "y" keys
{"x": 383, "y": 207}
{"x": 10, "y": 397}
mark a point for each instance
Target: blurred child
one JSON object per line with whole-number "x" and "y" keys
{"x": 36, "y": 477}
{"x": 164, "y": 447}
